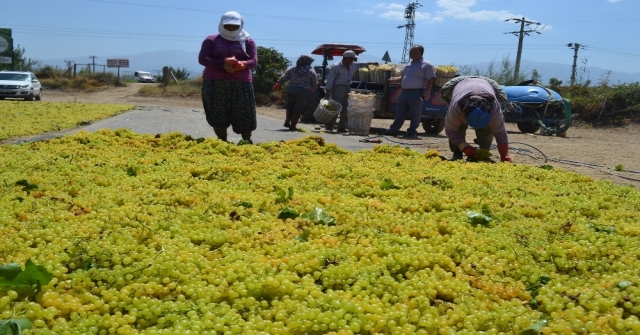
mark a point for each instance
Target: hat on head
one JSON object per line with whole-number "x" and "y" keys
{"x": 233, "y": 18}
{"x": 478, "y": 118}
{"x": 350, "y": 54}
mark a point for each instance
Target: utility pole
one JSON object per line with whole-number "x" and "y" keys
{"x": 410, "y": 15}
{"x": 576, "y": 47}
{"x": 523, "y": 22}
{"x": 93, "y": 62}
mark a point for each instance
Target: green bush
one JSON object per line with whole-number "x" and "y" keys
{"x": 604, "y": 104}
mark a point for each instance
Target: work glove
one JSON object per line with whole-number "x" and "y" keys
{"x": 470, "y": 152}
{"x": 503, "y": 149}
{"x": 241, "y": 65}
{"x": 276, "y": 87}
{"x": 231, "y": 60}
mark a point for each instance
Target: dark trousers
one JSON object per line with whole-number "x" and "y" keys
{"x": 484, "y": 138}
{"x": 340, "y": 93}
{"x": 409, "y": 104}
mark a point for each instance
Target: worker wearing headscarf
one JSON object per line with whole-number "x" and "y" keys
{"x": 227, "y": 90}
{"x": 474, "y": 103}
{"x": 302, "y": 83}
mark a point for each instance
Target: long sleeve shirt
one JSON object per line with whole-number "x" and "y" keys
{"x": 455, "y": 116}
{"x": 297, "y": 77}
{"x": 340, "y": 75}
{"x": 416, "y": 74}
{"x": 215, "y": 49}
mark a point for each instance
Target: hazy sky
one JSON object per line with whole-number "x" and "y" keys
{"x": 452, "y": 31}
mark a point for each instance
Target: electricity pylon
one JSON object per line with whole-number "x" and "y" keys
{"x": 410, "y": 15}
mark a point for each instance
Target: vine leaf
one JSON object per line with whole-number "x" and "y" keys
{"x": 319, "y": 216}
{"x": 14, "y": 326}
{"x": 288, "y": 213}
{"x": 304, "y": 237}
{"x": 12, "y": 276}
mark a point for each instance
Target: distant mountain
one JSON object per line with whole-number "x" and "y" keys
{"x": 563, "y": 72}
{"x": 178, "y": 59}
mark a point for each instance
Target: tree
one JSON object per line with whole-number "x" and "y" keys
{"x": 536, "y": 77}
{"x": 554, "y": 83}
{"x": 20, "y": 63}
{"x": 271, "y": 65}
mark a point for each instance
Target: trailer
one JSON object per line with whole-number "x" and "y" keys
{"x": 532, "y": 107}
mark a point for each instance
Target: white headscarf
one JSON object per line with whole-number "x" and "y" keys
{"x": 239, "y": 35}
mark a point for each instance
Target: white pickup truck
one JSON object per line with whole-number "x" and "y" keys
{"x": 144, "y": 77}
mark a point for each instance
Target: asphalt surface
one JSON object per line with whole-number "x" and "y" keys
{"x": 158, "y": 120}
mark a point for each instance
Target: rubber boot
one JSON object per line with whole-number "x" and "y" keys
{"x": 457, "y": 153}
{"x": 456, "y": 156}
{"x": 294, "y": 122}
{"x": 287, "y": 120}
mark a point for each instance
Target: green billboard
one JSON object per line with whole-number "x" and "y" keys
{"x": 6, "y": 46}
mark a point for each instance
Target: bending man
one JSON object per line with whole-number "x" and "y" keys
{"x": 474, "y": 103}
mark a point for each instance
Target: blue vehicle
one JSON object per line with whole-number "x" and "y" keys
{"x": 533, "y": 107}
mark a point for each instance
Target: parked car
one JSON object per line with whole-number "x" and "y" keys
{"x": 144, "y": 77}
{"x": 20, "y": 84}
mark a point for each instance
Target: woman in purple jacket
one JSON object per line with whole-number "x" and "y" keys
{"x": 227, "y": 90}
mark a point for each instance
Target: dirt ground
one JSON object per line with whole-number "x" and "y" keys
{"x": 586, "y": 150}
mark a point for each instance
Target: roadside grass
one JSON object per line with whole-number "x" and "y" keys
{"x": 21, "y": 118}
{"x": 184, "y": 89}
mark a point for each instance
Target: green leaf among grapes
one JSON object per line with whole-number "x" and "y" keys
{"x": 26, "y": 186}
{"x": 486, "y": 211}
{"x": 598, "y": 229}
{"x": 288, "y": 213}
{"x": 319, "y": 216}
{"x": 282, "y": 194}
{"x": 546, "y": 167}
{"x": 388, "y": 184}
{"x": 245, "y": 204}
{"x": 478, "y": 218}
{"x": 131, "y": 171}
{"x": 536, "y": 328}
{"x": 14, "y": 326}
{"x": 12, "y": 276}
{"x": 624, "y": 284}
{"x": 304, "y": 237}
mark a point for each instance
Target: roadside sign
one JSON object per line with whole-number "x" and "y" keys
{"x": 117, "y": 62}
{"x": 6, "y": 46}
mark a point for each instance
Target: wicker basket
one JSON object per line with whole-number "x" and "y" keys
{"x": 444, "y": 73}
{"x": 324, "y": 115}
{"x": 362, "y": 101}
{"x": 440, "y": 81}
{"x": 359, "y": 121}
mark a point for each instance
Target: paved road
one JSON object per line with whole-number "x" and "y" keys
{"x": 157, "y": 120}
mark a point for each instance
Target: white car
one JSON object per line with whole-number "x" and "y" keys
{"x": 144, "y": 77}
{"x": 20, "y": 84}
